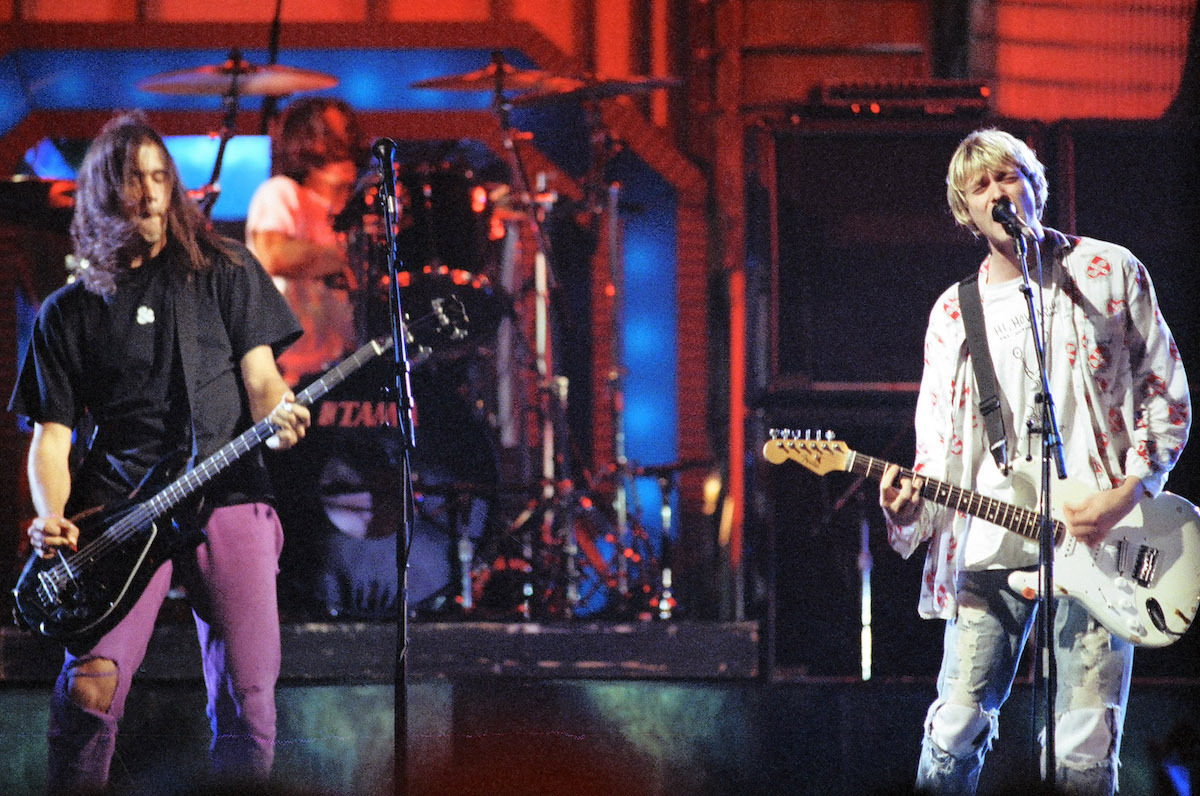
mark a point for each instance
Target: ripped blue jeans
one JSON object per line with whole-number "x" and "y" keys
{"x": 231, "y": 583}
{"x": 981, "y": 652}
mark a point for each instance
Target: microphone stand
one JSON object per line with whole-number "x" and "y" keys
{"x": 384, "y": 151}
{"x": 1051, "y": 449}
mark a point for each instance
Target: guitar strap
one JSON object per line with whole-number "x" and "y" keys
{"x": 186, "y": 331}
{"x": 985, "y": 373}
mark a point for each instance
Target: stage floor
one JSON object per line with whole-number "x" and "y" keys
{"x": 498, "y": 709}
{"x": 366, "y": 652}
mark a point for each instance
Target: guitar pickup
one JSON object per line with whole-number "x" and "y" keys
{"x": 47, "y": 590}
{"x": 1147, "y": 560}
{"x": 1122, "y": 557}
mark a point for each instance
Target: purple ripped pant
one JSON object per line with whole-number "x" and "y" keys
{"x": 231, "y": 584}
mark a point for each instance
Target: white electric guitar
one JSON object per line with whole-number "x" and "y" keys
{"x": 1142, "y": 582}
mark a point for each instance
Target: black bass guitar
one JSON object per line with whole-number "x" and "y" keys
{"x": 82, "y": 595}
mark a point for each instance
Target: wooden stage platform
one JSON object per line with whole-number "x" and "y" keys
{"x": 365, "y": 652}
{"x": 549, "y": 708}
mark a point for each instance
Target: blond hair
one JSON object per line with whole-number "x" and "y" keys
{"x": 991, "y": 151}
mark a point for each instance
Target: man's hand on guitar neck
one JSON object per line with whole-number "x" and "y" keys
{"x": 1089, "y": 520}
{"x": 902, "y": 502}
{"x": 291, "y": 419}
{"x": 269, "y": 396}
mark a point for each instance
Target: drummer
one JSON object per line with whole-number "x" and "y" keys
{"x": 316, "y": 152}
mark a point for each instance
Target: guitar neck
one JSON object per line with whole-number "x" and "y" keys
{"x": 1023, "y": 521}
{"x": 188, "y": 483}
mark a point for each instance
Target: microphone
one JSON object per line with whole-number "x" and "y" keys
{"x": 1006, "y": 216}
{"x": 384, "y": 150}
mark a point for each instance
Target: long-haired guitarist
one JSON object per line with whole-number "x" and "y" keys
{"x": 167, "y": 340}
{"x": 1122, "y": 403}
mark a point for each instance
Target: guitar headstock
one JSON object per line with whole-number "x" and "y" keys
{"x": 451, "y": 316}
{"x": 820, "y": 453}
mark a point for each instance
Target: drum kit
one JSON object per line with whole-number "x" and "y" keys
{"x": 484, "y": 545}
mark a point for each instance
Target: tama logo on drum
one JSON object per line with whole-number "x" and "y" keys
{"x": 357, "y": 414}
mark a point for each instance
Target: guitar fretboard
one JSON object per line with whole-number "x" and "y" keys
{"x": 1023, "y": 521}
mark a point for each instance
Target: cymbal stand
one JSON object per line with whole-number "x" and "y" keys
{"x": 552, "y": 389}
{"x": 664, "y": 601}
{"x": 270, "y": 104}
{"x": 616, "y": 386}
{"x": 207, "y": 195}
{"x": 605, "y": 199}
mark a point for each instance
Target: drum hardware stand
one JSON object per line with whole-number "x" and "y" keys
{"x": 270, "y": 105}
{"x": 561, "y": 494}
{"x": 557, "y": 526}
{"x": 454, "y": 519}
{"x": 559, "y": 503}
{"x": 604, "y": 147}
{"x": 661, "y": 592}
{"x": 466, "y": 556}
{"x": 626, "y": 549}
{"x": 616, "y": 386}
{"x": 665, "y": 600}
{"x": 207, "y": 195}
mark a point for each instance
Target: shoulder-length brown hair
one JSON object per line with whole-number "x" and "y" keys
{"x": 304, "y": 139}
{"x": 105, "y": 238}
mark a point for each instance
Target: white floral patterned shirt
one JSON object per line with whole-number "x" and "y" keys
{"x": 1130, "y": 410}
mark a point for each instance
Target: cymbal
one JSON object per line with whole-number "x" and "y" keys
{"x": 559, "y": 88}
{"x": 512, "y": 79}
{"x": 266, "y": 81}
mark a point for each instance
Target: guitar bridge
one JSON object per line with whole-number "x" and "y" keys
{"x": 1147, "y": 560}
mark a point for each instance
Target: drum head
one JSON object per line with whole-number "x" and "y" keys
{"x": 446, "y": 247}
{"x": 448, "y": 220}
{"x": 438, "y": 290}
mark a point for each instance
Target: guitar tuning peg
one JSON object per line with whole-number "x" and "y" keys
{"x": 773, "y": 433}
{"x": 829, "y": 435}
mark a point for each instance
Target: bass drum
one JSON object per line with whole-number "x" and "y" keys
{"x": 340, "y": 500}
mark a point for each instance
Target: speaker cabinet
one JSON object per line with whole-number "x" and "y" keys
{"x": 866, "y": 243}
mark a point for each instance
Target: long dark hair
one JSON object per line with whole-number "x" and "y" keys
{"x": 305, "y": 141}
{"x": 105, "y": 238}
